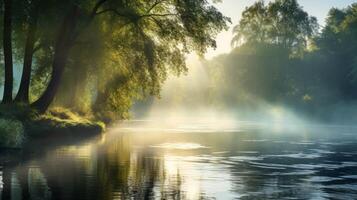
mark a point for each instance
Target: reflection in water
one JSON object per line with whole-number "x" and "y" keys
{"x": 249, "y": 162}
{"x": 183, "y": 146}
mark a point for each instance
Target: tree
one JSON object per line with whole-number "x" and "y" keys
{"x": 7, "y": 38}
{"x": 262, "y": 69}
{"x": 338, "y": 45}
{"x": 253, "y": 27}
{"x": 31, "y": 21}
{"x": 291, "y": 26}
{"x": 266, "y": 66}
{"x": 282, "y": 22}
{"x": 64, "y": 43}
{"x": 105, "y": 41}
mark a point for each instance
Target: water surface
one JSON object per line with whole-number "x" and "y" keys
{"x": 197, "y": 160}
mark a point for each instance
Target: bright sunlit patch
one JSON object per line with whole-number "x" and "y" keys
{"x": 84, "y": 151}
{"x": 277, "y": 113}
{"x": 1, "y": 181}
{"x": 182, "y": 146}
{"x": 192, "y": 188}
{"x": 174, "y": 166}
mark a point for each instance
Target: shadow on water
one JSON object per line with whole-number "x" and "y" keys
{"x": 139, "y": 162}
{"x": 80, "y": 168}
{"x": 21, "y": 176}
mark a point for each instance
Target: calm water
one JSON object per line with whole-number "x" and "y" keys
{"x": 188, "y": 161}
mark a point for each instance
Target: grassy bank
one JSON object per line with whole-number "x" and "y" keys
{"x": 19, "y": 123}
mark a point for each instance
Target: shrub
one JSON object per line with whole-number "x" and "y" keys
{"x": 11, "y": 133}
{"x": 63, "y": 113}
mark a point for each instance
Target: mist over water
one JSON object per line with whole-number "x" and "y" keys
{"x": 187, "y": 147}
{"x": 197, "y": 160}
{"x": 274, "y": 118}
{"x": 193, "y": 97}
{"x": 189, "y": 99}
{"x": 265, "y": 151}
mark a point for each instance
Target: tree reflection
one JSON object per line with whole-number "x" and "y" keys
{"x": 107, "y": 169}
{"x": 247, "y": 165}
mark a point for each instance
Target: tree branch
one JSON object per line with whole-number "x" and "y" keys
{"x": 139, "y": 17}
{"x": 110, "y": 10}
{"x": 159, "y": 15}
{"x": 38, "y": 47}
{"x": 96, "y": 7}
{"x": 91, "y": 16}
{"x": 157, "y": 2}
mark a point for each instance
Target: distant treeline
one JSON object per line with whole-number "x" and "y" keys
{"x": 282, "y": 56}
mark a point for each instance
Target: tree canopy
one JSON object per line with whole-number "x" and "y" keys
{"x": 101, "y": 54}
{"x": 281, "y": 22}
{"x": 261, "y": 67}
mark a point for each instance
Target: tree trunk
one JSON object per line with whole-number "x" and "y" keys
{"x": 23, "y": 94}
{"x": 63, "y": 45}
{"x": 7, "y": 98}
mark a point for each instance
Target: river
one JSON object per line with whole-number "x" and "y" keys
{"x": 196, "y": 160}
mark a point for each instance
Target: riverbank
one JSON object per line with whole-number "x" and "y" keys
{"x": 20, "y": 123}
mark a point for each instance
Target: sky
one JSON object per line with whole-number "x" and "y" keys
{"x": 234, "y": 8}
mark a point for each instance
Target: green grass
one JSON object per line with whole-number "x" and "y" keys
{"x": 64, "y": 121}
{"x": 18, "y": 122}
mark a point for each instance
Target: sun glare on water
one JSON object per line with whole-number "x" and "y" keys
{"x": 181, "y": 146}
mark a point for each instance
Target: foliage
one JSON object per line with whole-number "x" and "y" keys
{"x": 111, "y": 52}
{"x": 262, "y": 70}
{"x": 338, "y": 45}
{"x": 17, "y": 112}
{"x": 281, "y": 22}
{"x": 11, "y": 133}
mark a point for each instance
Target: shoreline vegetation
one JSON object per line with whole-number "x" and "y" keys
{"x": 92, "y": 56}
{"x": 91, "y": 60}
{"x": 20, "y": 123}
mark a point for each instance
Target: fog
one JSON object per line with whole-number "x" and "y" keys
{"x": 193, "y": 98}
{"x": 286, "y": 70}
{"x": 189, "y": 100}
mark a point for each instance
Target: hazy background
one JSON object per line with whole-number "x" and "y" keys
{"x": 234, "y": 9}
{"x": 190, "y": 96}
